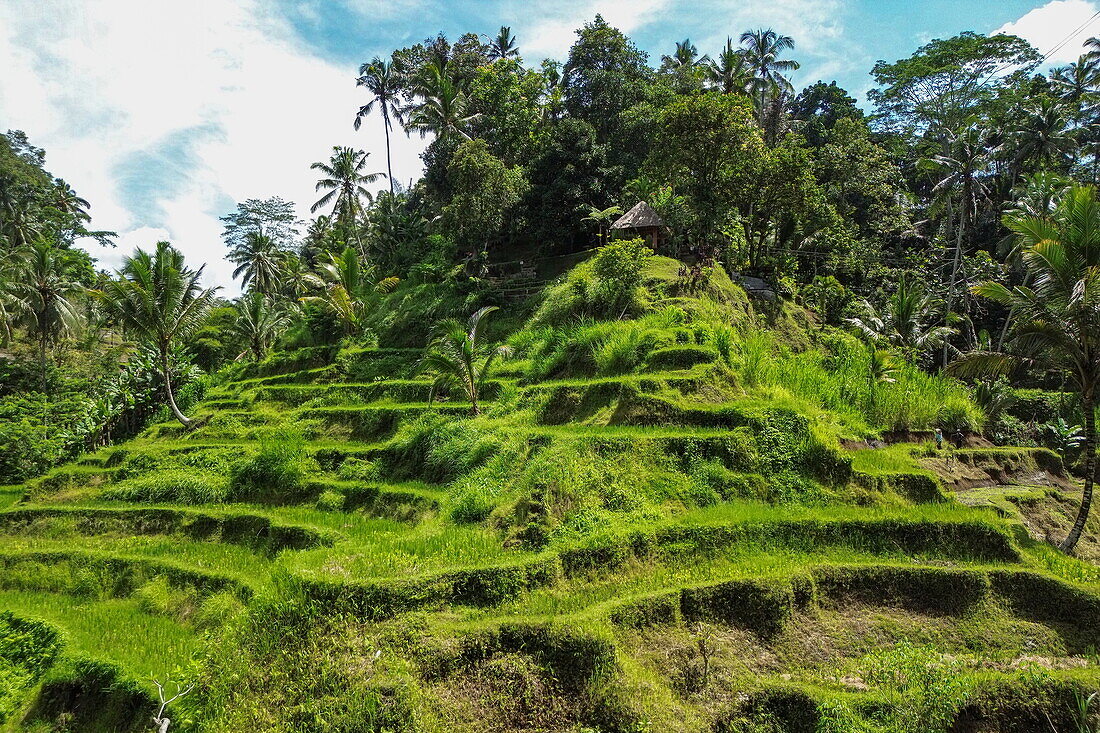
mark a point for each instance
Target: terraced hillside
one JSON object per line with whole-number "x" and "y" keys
{"x": 674, "y": 547}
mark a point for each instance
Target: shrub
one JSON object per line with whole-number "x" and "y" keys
{"x": 278, "y": 472}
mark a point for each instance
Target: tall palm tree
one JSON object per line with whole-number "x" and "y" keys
{"x": 908, "y": 322}
{"x": 459, "y": 359}
{"x": 259, "y": 322}
{"x": 64, "y": 199}
{"x": 1043, "y": 137}
{"x": 732, "y": 72}
{"x": 1077, "y": 84}
{"x": 158, "y": 297}
{"x": 345, "y": 185}
{"x": 686, "y": 56}
{"x": 386, "y": 85}
{"x": 259, "y": 261}
{"x": 1057, "y": 319}
{"x": 44, "y": 292}
{"x": 763, "y": 49}
{"x": 504, "y": 45}
{"x": 351, "y": 289}
{"x": 442, "y": 107}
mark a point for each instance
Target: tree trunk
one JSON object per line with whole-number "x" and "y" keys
{"x": 386, "y": 126}
{"x": 184, "y": 420}
{"x": 956, "y": 265}
{"x": 42, "y": 362}
{"x": 1088, "y": 405}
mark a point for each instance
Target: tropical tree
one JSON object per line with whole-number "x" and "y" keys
{"x": 44, "y": 293}
{"x": 351, "y": 288}
{"x": 259, "y": 323}
{"x": 259, "y": 262}
{"x": 731, "y": 73}
{"x": 442, "y": 109}
{"x": 64, "y": 199}
{"x": 686, "y": 56}
{"x": 387, "y": 86}
{"x": 345, "y": 186}
{"x": 908, "y": 321}
{"x": 1056, "y": 320}
{"x": 504, "y": 45}
{"x": 1076, "y": 84}
{"x": 158, "y": 298}
{"x": 602, "y": 218}
{"x": 460, "y": 360}
{"x": 762, "y": 49}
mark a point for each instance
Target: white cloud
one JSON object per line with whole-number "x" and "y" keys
{"x": 553, "y": 34}
{"x": 1047, "y": 26}
{"x": 102, "y": 85}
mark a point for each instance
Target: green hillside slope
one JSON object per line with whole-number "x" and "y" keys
{"x": 677, "y": 516}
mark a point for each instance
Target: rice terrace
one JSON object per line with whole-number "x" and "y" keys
{"x": 481, "y": 367}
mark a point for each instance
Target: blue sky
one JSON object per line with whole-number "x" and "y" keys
{"x": 163, "y": 114}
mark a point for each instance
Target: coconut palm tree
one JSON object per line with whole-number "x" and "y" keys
{"x": 259, "y": 262}
{"x": 1042, "y": 139}
{"x": 504, "y": 45}
{"x": 345, "y": 186}
{"x": 351, "y": 289}
{"x": 459, "y": 359}
{"x": 1057, "y": 319}
{"x": 1076, "y": 84}
{"x": 442, "y": 107}
{"x": 686, "y": 56}
{"x": 762, "y": 48}
{"x": 158, "y": 298}
{"x": 386, "y": 85}
{"x": 259, "y": 323}
{"x": 43, "y": 292}
{"x": 64, "y": 199}
{"x": 908, "y": 322}
{"x": 731, "y": 73}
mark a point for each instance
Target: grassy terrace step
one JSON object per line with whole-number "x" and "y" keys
{"x": 403, "y": 501}
{"x": 356, "y": 393}
{"x": 255, "y": 531}
{"x": 100, "y": 573}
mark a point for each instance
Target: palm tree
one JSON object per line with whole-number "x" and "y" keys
{"x": 345, "y": 185}
{"x": 686, "y": 56}
{"x": 443, "y": 107}
{"x": 762, "y": 48}
{"x": 43, "y": 291}
{"x": 1056, "y": 320}
{"x": 1042, "y": 139}
{"x": 908, "y": 321}
{"x": 259, "y": 261}
{"x": 11, "y": 304}
{"x": 1076, "y": 83}
{"x": 386, "y": 85}
{"x": 159, "y": 298}
{"x": 731, "y": 73}
{"x": 64, "y": 199}
{"x": 259, "y": 323}
{"x": 602, "y": 218}
{"x": 351, "y": 288}
{"x": 504, "y": 45}
{"x": 881, "y": 369}
{"x": 458, "y": 358}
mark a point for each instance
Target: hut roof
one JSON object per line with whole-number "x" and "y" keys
{"x": 642, "y": 216}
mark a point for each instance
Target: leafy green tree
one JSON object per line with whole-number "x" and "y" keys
{"x": 351, "y": 287}
{"x": 762, "y": 48}
{"x": 1042, "y": 138}
{"x": 273, "y": 218}
{"x": 345, "y": 186}
{"x": 909, "y": 321}
{"x": 386, "y": 86}
{"x": 460, "y": 360}
{"x": 486, "y": 193}
{"x": 820, "y": 107}
{"x": 259, "y": 323}
{"x": 506, "y": 102}
{"x": 946, "y": 81}
{"x": 45, "y": 293}
{"x": 159, "y": 298}
{"x": 1056, "y": 321}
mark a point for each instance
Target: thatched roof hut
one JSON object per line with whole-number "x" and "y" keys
{"x": 642, "y": 221}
